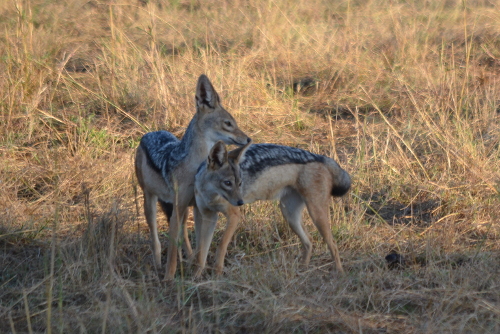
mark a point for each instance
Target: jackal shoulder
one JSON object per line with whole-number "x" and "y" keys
{"x": 163, "y": 151}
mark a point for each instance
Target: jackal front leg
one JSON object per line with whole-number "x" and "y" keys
{"x": 175, "y": 233}
{"x": 233, "y": 215}
{"x": 205, "y": 226}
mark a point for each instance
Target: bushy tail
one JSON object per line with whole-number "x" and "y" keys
{"x": 341, "y": 179}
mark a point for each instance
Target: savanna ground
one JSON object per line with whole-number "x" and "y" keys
{"x": 404, "y": 94}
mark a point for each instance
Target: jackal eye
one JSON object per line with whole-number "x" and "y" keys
{"x": 228, "y": 123}
{"x": 228, "y": 183}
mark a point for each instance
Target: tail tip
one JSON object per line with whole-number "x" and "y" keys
{"x": 343, "y": 186}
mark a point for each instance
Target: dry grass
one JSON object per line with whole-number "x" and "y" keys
{"x": 403, "y": 93}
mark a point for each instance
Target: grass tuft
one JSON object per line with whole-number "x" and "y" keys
{"x": 404, "y": 94}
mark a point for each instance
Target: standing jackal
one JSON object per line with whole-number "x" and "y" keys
{"x": 166, "y": 167}
{"x": 296, "y": 177}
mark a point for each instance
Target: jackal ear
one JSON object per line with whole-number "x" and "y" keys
{"x": 218, "y": 156}
{"x": 206, "y": 94}
{"x": 238, "y": 155}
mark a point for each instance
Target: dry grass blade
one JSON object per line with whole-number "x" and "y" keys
{"x": 403, "y": 94}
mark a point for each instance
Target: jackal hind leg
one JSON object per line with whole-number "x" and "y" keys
{"x": 233, "y": 215}
{"x": 291, "y": 205}
{"x": 168, "y": 209}
{"x": 319, "y": 211}
{"x": 150, "y": 213}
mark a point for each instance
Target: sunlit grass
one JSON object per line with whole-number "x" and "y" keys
{"x": 404, "y": 94}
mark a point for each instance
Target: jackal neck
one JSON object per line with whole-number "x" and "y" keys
{"x": 188, "y": 138}
{"x": 194, "y": 145}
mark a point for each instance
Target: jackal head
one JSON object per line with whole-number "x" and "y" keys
{"x": 213, "y": 119}
{"x": 220, "y": 178}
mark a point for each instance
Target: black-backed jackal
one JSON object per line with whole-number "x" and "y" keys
{"x": 297, "y": 178}
{"x": 166, "y": 167}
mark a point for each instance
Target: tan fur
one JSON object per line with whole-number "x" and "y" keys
{"x": 219, "y": 184}
{"x": 154, "y": 187}
{"x": 210, "y": 124}
{"x": 296, "y": 186}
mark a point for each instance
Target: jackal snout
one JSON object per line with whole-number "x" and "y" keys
{"x": 235, "y": 137}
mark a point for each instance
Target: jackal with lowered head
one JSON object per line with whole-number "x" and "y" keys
{"x": 166, "y": 167}
{"x": 297, "y": 178}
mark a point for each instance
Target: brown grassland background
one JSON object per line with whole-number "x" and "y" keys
{"x": 404, "y": 94}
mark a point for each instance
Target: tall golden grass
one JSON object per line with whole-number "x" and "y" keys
{"x": 404, "y": 94}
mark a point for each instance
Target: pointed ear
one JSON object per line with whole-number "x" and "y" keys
{"x": 217, "y": 156}
{"x": 238, "y": 155}
{"x": 206, "y": 94}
